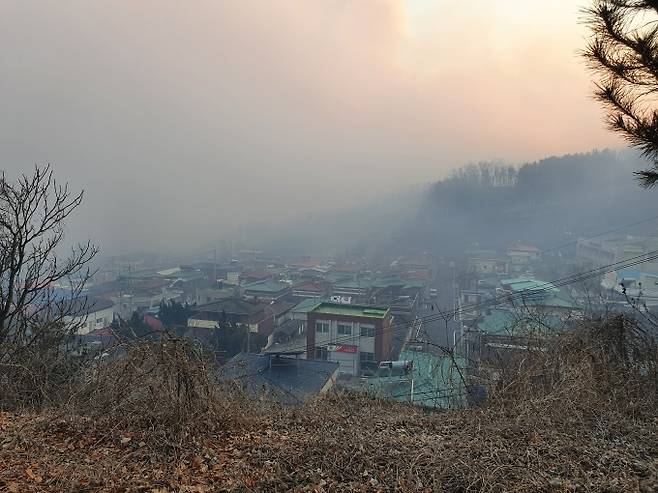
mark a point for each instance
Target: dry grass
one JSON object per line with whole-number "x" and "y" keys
{"x": 581, "y": 418}
{"x": 339, "y": 445}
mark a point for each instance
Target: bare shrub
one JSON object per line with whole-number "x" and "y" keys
{"x": 38, "y": 324}
{"x": 603, "y": 366}
{"x": 165, "y": 389}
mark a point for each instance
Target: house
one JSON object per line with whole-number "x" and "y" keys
{"x": 540, "y": 298}
{"x": 254, "y": 276}
{"x": 521, "y": 255}
{"x": 600, "y": 252}
{"x": 352, "y": 288}
{"x": 90, "y": 314}
{"x": 486, "y": 262}
{"x": 269, "y": 290}
{"x": 289, "y": 338}
{"x": 235, "y": 311}
{"x": 311, "y": 289}
{"x": 502, "y": 336}
{"x": 220, "y": 291}
{"x": 279, "y": 310}
{"x": 420, "y": 267}
{"x": 355, "y": 336}
{"x": 300, "y": 311}
{"x": 280, "y": 378}
{"x": 636, "y": 284}
{"x": 185, "y": 279}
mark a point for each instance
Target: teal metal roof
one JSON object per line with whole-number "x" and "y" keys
{"x": 501, "y": 322}
{"x": 497, "y": 322}
{"x": 436, "y": 382}
{"x": 306, "y": 306}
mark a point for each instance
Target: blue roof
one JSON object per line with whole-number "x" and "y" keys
{"x": 279, "y": 378}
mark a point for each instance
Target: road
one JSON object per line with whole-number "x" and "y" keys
{"x": 437, "y": 330}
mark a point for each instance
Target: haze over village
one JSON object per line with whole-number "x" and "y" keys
{"x": 326, "y": 245}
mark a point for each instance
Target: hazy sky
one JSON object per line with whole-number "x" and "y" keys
{"x": 183, "y": 119}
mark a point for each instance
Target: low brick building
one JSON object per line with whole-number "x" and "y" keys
{"x": 355, "y": 336}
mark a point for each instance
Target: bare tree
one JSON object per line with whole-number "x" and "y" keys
{"x": 36, "y": 321}
{"x": 623, "y": 51}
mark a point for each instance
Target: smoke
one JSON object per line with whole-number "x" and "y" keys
{"x": 184, "y": 121}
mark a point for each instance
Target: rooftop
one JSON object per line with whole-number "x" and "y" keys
{"x": 230, "y": 305}
{"x": 268, "y": 286}
{"x": 279, "y": 378}
{"x": 501, "y": 322}
{"x": 519, "y": 284}
{"x": 350, "y": 310}
{"x": 524, "y": 248}
{"x": 306, "y": 306}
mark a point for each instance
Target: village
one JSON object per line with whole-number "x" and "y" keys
{"x": 429, "y": 331}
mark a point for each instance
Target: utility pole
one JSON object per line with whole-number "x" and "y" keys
{"x": 214, "y": 267}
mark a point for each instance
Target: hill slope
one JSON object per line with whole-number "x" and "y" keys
{"x": 339, "y": 445}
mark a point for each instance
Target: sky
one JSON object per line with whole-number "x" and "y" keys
{"x": 184, "y": 121}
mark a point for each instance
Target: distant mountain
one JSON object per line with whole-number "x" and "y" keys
{"x": 484, "y": 205}
{"x": 546, "y": 203}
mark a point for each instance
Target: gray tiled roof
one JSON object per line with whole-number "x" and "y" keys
{"x": 279, "y": 378}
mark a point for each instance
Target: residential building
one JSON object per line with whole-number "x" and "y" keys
{"x": 352, "y": 288}
{"x": 355, "y": 336}
{"x": 269, "y": 290}
{"x": 289, "y": 338}
{"x": 636, "y": 284}
{"x": 486, "y": 262}
{"x": 540, "y": 297}
{"x": 90, "y": 314}
{"x": 300, "y": 311}
{"x": 235, "y": 311}
{"x": 600, "y": 252}
{"x": 311, "y": 289}
{"x": 219, "y": 292}
{"x": 521, "y": 255}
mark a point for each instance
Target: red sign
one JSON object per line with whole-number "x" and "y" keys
{"x": 346, "y": 349}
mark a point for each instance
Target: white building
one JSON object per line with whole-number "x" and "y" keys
{"x": 89, "y": 314}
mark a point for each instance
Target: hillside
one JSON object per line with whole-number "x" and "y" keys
{"x": 340, "y": 445}
{"x": 545, "y": 203}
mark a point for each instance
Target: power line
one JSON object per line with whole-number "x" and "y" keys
{"x": 510, "y": 298}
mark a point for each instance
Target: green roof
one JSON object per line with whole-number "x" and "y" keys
{"x": 307, "y": 305}
{"x": 539, "y": 293}
{"x": 350, "y": 310}
{"x": 497, "y": 322}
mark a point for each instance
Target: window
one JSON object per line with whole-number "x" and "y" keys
{"x": 321, "y": 353}
{"x": 366, "y": 357}
{"x": 367, "y": 363}
{"x": 322, "y": 327}
{"x": 367, "y": 331}
{"x": 344, "y": 330}
{"x": 100, "y": 320}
